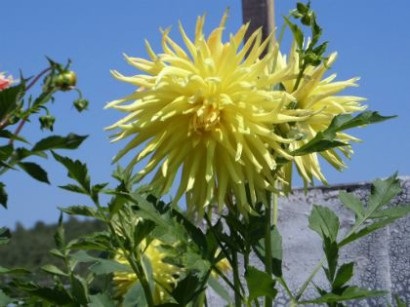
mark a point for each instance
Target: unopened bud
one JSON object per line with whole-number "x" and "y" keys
{"x": 47, "y": 122}
{"x": 81, "y": 104}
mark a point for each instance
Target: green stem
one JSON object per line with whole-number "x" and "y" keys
{"x": 268, "y": 243}
{"x": 236, "y": 281}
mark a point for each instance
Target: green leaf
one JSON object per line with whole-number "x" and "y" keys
{"x": 396, "y": 212}
{"x": 3, "y": 195}
{"x": 325, "y": 222}
{"x": 59, "y": 236}
{"x": 343, "y": 275}
{"x": 101, "y": 299}
{"x": 52, "y": 269}
{"x": 5, "y": 152}
{"x": 327, "y": 139}
{"x": 106, "y": 266}
{"x": 79, "y": 290}
{"x": 14, "y": 271}
{"x": 353, "y": 203}
{"x": 277, "y": 252}
{"x": 35, "y": 171}
{"x": 58, "y": 296}
{"x": 71, "y": 141}
{"x": 5, "y": 235}
{"x": 76, "y": 170}
{"x": 331, "y": 250}
{"x": 382, "y": 192}
{"x": 350, "y": 293}
{"x": 9, "y": 135}
{"x": 135, "y": 296}
{"x": 187, "y": 289}
{"x": 142, "y": 230}
{"x": 259, "y": 284}
{"x": 219, "y": 289}
{"x": 4, "y": 299}
{"x": 81, "y": 211}
{"x": 9, "y": 98}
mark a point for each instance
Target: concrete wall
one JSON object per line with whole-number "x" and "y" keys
{"x": 382, "y": 258}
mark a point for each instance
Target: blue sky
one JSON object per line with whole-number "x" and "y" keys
{"x": 371, "y": 38}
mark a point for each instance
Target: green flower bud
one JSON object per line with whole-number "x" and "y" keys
{"x": 66, "y": 80}
{"x": 81, "y": 104}
{"x": 47, "y": 122}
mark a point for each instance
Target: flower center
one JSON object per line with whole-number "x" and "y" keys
{"x": 206, "y": 117}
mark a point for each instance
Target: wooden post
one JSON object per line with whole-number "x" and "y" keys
{"x": 260, "y": 13}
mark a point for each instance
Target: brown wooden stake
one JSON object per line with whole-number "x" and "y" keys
{"x": 260, "y": 14}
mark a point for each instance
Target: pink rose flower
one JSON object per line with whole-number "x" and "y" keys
{"x": 5, "y": 82}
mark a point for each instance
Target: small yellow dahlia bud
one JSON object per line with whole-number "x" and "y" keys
{"x": 207, "y": 110}
{"x": 165, "y": 275}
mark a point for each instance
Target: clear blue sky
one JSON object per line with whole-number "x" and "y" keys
{"x": 371, "y": 37}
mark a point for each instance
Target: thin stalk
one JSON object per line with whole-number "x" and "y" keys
{"x": 268, "y": 243}
{"x": 236, "y": 280}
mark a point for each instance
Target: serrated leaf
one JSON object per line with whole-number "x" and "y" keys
{"x": 366, "y": 230}
{"x": 59, "y": 236}
{"x": 76, "y": 170}
{"x": 324, "y": 221}
{"x": 80, "y": 210}
{"x": 396, "y": 212}
{"x": 52, "y": 269}
{"x": 9, "y": 135}
{"x": 71, "y": 141}
{"x": 343, "y": 275}
{"x": 259, "y": 284}
{"x": 73, "y": 188}
{"x": 277, "y": 252}
{"x": 3, "y": 195}
{"x": 327, "y": 139}
{"x": 352, "y": 203}
{"x": 350, "y": 293}
{"x": 35, "y": 171}
{"x": 94, "y": 241}
{"x": 382, "y": 192}
{"x": 142, "y": 230}
{"x": 79, "y": 290}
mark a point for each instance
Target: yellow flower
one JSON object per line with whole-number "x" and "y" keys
{"x": 209, "y": 111}
{"x": 165, "y": 275}
{"x": 319, "y": 96}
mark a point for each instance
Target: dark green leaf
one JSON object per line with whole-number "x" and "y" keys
{"x": 9, "y": 98}
{"x": 331, "y": 250}
{"x": 187, "y": 289}
{"x": 259, "y": 284}
{"x": 353, "y": 203}
{"x": 59, "y": 236}
{"x": 327, "y": 139}
{"x": 35, "y": 171}
{"x": 9, "y": 135}
{"x": 58, "y": 296}
{"x": 3, "y": 195}
{"x": 5, "y": 152}
{"x": 79, "y": 290}
{"x": 71, "y": 141}
{"x": 276, "y": 244}
{"x": 76, "y": 170}
{"x": 142, "y": 230}
{"x": 297, "y": 33}
{"x": 343, "y": 275}
{"x": 73, "y": 188}
{"x": 324, "y": 221}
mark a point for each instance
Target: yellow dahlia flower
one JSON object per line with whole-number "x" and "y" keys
{"x": 209, "y": 110}
{"x": 319, "y": 96}
{"x": 165, "y": 275}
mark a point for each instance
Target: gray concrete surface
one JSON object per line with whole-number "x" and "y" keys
{"x": 382, "y": 258}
